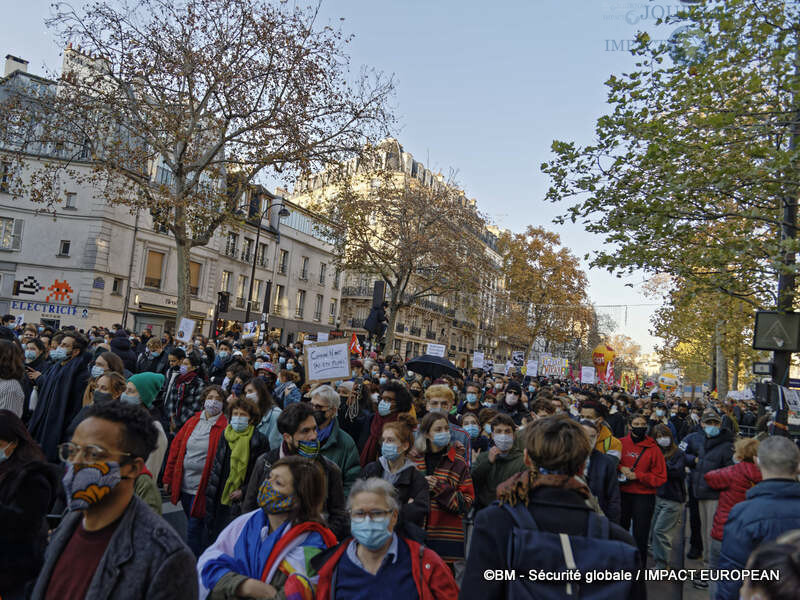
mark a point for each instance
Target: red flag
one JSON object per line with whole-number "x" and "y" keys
{"x": 355, "y": 347}
{"x": 610, "y": 373}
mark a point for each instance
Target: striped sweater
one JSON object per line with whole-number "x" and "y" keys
{"x": 11, "y": 396}
{"x": 451, "y": 500}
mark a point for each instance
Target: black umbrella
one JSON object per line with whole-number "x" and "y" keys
{"x": 432, "y": 366}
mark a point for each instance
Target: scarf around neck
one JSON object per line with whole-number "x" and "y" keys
{"x": 240, "y": 455}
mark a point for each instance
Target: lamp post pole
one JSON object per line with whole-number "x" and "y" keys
{"x": 253, "y": 270}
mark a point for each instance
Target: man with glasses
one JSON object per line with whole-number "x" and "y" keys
{"x": 111, "y": 544}
{"x": 335, "y": 445}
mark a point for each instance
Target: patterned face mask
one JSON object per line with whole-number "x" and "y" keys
{"x": 308, "y": 449}
{"x": 88, "y": 484}
{"x": 272, "y": 501}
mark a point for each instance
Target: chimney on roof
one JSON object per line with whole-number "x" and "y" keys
{"x": 15, "y": 64}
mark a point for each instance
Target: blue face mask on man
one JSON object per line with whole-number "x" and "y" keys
{"x": 58, "y": 354}
{"x": 372, "y": 533}
{"x": 472, "y": 398}
{"x": 711, "y": 430}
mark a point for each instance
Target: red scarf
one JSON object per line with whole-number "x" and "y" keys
{"x": 370, "y": 451}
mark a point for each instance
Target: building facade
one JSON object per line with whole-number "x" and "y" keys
{"x": 87, "y": 261}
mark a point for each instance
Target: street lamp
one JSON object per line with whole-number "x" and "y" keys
{"x": 282, "y": 214}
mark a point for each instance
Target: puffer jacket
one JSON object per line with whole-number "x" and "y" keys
{"x": 732, "y": 484}
{"x": 716, "y": 452}
{"x": 216, "y": 520}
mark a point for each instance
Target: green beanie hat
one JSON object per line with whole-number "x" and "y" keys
{"x": 148, "y": 385}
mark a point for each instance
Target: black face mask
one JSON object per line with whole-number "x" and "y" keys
{"x": 415, "y": 393}
{"x": 638, "y": 433}
{"x": 319, "y": 417}
{"x": 102, "y": 397}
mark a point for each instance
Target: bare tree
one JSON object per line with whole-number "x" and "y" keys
{"x": 176, "y": 106}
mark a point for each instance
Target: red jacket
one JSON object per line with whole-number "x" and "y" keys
{"x": 651, "y": 472}
{"x": 173, "y": 473}
{"x": 732, "y": 483}
{"x": 433, "y": 578}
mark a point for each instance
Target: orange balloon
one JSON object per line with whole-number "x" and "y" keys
{"x": 601, "y": 356}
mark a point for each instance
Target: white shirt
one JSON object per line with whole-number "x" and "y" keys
{"x": 194, "y": 461}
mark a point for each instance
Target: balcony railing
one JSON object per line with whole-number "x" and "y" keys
{"x": 416, "y": 331}
{"x": 239, "y": 302}
{"x": 152, "y": 282}
{"x": 194, "y": 291}
{"x": 431, "y": 335}
{"x": 262, "y": 261}
{"x": 247, "y": 256}
{"x": 277, "y": 309}
{"x": 400, "y": 328}
{"x": 357, "y": 323}
{"x": 282, "y": 269}
{"x": 298, "y": 314}
{"x": 331, "y": 320}
{"x": 230, "y": 251}
{"x": 356, "y": 292}
{"x": 318, "y": 316}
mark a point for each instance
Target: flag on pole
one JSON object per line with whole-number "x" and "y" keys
{"x": 355, "y": 347}
{"x": 610, "y": 373}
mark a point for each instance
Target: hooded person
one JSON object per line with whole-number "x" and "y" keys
{"x": 121, "y": 346}
{"x": 143, "y": 389}
{"x": 510, "y": 403}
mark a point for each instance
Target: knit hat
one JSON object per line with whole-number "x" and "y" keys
{"x": 709, "y": 415}
{"x": 148, "y": 386}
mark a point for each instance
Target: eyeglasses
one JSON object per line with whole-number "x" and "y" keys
{"x": 68, "y": 452}
{"x": 358, "y": 516}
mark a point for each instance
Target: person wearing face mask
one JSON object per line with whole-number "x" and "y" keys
{"x": 60, "y": 393}
{"x": 184, "y": 399}
{"x": 286, "y": 390}
{"x": 606, "y": 442}
{"x": 153, "y": 359}
{"x": 394, "y": 399}
{"x": 395, "y": 466}
{"x": 600, "y": 474}
{"x": 28, "y": 484}
{"x": 266, "y": 553}
{"x": 335, "y": 444}
{"x": 502, "y": 461}
{"x": 715, "y": 453}
{"x": 12, "y": 372}
{"x": 106, "y": 521}
{"x": 299, "y": 430}
{"x": 670, "y": 497}
{"x": 642, "y": 470}
{"x": 222, "y": 361}
{"x": 142, "y": 389}
{"x": 732, "y": 484}
{"x": 479, "y": 443}
{"x": 257, "y": 392}
{"x": 440, "y": 398}
{"x": 379, "y": 561}
{"x": 106, "y": 388}
{"x": 237, "y": 452}
{"x": 442, "y": 461}
{"x": 472, "y": 400}
{"x": 510, "y": 403}
{"x": 660, "y": 416}
{"x": 189, "y": 462}
{"x": 36, "y": 355}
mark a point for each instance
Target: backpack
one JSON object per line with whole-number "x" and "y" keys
{"x": 533, "y": 550}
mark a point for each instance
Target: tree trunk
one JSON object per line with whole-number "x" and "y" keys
{"x": 722, "y": 362}
{"x": 394, "y": 307}
{"x": 713, "y": 378}
{"x": 182, "y": 246}
{"x": 737, "y": 359}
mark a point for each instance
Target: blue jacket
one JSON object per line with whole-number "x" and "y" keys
{"x": 771, "y": 509}
{"x": 675, "y": 488}
{"x": 602, "y": 481}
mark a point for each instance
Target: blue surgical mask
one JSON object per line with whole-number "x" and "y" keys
{"x": 258, "y": 365}
{"x": 223, "y": 354}
{"x": 155, "y": 354}
{"x": 659, "y": 412}
{"x": 289, "y": 366}
{"x": 239, "y": 423}
{"x": 30, "y": 355}
{"x": 441, "y": 439}
{"x": 58, "y": 354}
{"x": 488, "y": 429}
{"x": 184, "y": 369}
{"x": 372, "y": 534}
{"x": 383, "y": 380}
{"x": 236, "y": 388}
{"x": 97, "y": 371}
{"x": 282, "y": 360}
{"x": 472, "y": 429}
{"x": 4, "y": 453}
{"x": 129, "y": 399}
{"x": 390, "y": 451}
{"x": 711, "y": 430}
{"x": 503, "y": 441}
{"x": 531, "y": 389}
{"x": 472, "y": 397}
{"x": 384, "y": 407}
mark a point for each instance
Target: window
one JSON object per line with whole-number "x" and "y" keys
{"x": 256, "y": 290}
{"x": 301, "y": 302}
{"x": 279, "y": 297}
{"x": 262, "y": 255}
{"x": 247, "y": 251}
{"x": 225, "y": 284}
{"x": 318, "y": 308}
{"x": 6, "y": 177}
{"x": 332, "y": 316}
{"x": 155, "y": 266}
{"x": 63, "y": 248}
{"x": 194, "y": 278}
{"x": 241, "y": 288}
{"x": 284, "y": 262}
{"x": 336, "y": 279}
{"x": 116, "y": 287}
{"x": 230, "y": 246}
{"x": 69, "y": 201}
{"x": 304, "y": 270}
{"x": 10, "y": 233}
{"x": 322, "y": 272}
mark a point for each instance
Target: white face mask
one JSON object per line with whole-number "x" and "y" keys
{"x": 664, "y": 442}
{"x": 512, "y": 399}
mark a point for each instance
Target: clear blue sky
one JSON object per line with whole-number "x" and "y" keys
{"x": 482, "y": 88}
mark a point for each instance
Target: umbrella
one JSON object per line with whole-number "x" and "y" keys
{"x": 432, "y": 366}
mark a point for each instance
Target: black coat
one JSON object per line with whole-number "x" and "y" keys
{"x": 555, "y": 510}
{"x": 216, "y": 519}
{"x": 216, "y": 372}
{"x": 716, "y": 452}
{"x": 145, "y": 364}
{"x": 60, "y": 398}
{"x": 675, "y": 487}
{"x": 410, "y": 485}
{"x": 616, "y": 423}
{"x": 602, "y": 480}
{"x": 26, "y": 493}
{"x": 121, "y": 346}
{"x": 334, "y": 505}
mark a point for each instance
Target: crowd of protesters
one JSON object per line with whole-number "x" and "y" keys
{"x": 384, "y": 484}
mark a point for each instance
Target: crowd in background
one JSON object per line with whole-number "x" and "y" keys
{"x": 387, "y": 483}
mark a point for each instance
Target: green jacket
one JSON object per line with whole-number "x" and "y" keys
{"x": 146, "y": 489}
{"x": 487, "y": 476}
{"x": 340, "y": 449}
